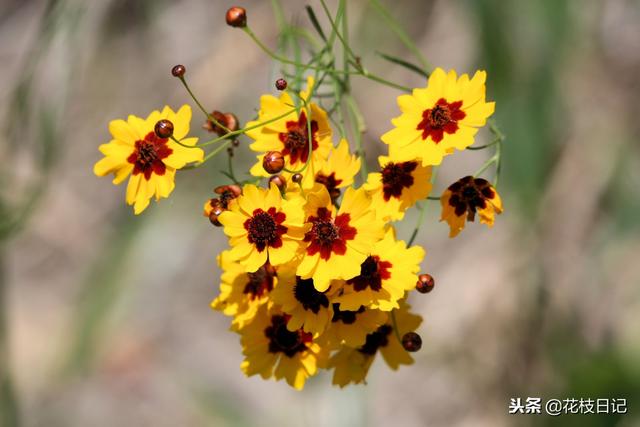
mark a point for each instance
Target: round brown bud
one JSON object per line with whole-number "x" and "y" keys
{"x": 163, "y": 128}
{"x": 425, "y": 283}
{"x": 231, "y": 188}
{"x": 411, "y": 342}
{"x": 281, "y": 84}
{"x": 334, "y": 193}
{"x": 237, "y": 17}
{"x": 273, "y": 162}
{"x": 228, "y": 120}
{"x": 214, "y": 214}
{"x": 178, "y": 70}
{"x": 297, "y": 178}
{"x": 279, "y": 181}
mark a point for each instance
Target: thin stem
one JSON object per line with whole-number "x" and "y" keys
{"x": 357, "y": 134}
{"x": 243, "y": 130}
{"x": 422, "y": 209}
{"x": 397, "y": 28}
{"x": 361, "y": 72}
{"x": 482, "y": 147}
{"x": 231, "y": 174}
{"x": 9, "y": 411}
{"x": 493, "y": 159}
{"x": 394, "y": 322}
{"x": 206, "y": 113}
{"x": 208, "y": 156}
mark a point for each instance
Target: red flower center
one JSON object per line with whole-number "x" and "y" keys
{"x": 265, "y": 228}
{"x": 260, "y": 282}
{"x": 296, "y": 139}
{"x": 469, "y": 194}
{"x": 396, "y": 177}
{"x": 345, "y": 316}
{"x": 148, "y": 154}
{"x": 329, "y": 236}
{"x": 443, "y": 117}
{"x": 306, "y": 293}
{"x": 372, "y": 273}
{"x": 375, "y": 340}
{"x": 282, "y": 340}
{"x": 330, "y": 182}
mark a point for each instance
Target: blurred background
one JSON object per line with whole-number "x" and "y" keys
{"x": 105, "y": 317}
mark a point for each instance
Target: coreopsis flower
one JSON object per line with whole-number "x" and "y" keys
{"x": 308, "y": 308}
{"x": 352, "y": 364}
{"x": 437, "y": 119}
{"x": 397, "y": 187}
{"x": 352, "y": 327}
{"x": 242, "y": 293}
{"x": 386, "y": 273}
{"x": 262, "y": 226}
{"x": 338, "y": 240}
{"x": 464, "y": 198}
{"x": 271, "y": 349}
{"x": 150, "y": 161}
{"x": 334, "y": 173}
{"x": 290, "y": 134}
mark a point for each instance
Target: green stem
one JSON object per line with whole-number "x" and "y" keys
{"x": 9, "y": 409}
{"x": 399, "y": 31}
{"x": 205, "y": 112}
{"x": 356, "y": 117}
{"x": 394, "y": 322}
{"x": 422, "y": 209}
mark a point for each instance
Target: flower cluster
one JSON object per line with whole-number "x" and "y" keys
{"x": 315, "y": 276}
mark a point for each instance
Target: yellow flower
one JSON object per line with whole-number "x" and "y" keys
{"x": 385, "y": 275}
{"x": 290, "y": 134}
{"x": 309, "y": 309}
{"x": 466, "y": 196}
{"x": 335, "y": 173}
{"x": 437, "y": 119}
{"x": 151, "y": 161}
{"x": 397, "y": 187}
{"x": 270, "y": 349}
{"x": 352, "y": 327}
{"x": 338, "y": 242}
{"x": 242, "y": 293}
{"x": 263, "y": 226}
{"x": 352, "y": 364}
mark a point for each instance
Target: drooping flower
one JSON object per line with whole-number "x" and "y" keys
{"x": 437, "y": 119}
{"x": 397, "y": 187}
{"x": 290, "y": 134}
{"x": 151, "y": 161}
{"x": 338, "y": 240}
{"x": 464, "y": 198}
{"x": 334, "y": 173}
{"x": 308, "y": 308}
{"x": 242, "y": 293}
{"x": 262, "y": 226}
{"x": 390, "y": 269}
{"x": 351, "y": 365}
{"x": 352, "y": 327}
{"x": 271, "y": 349}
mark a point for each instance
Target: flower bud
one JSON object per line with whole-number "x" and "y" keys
{"x": 227, "y": 194}
{"x": 281, "y": 84}
{"x": 411, "y": 342}
{"x": 279, "y": 181}
{"x": 163, "y": 128}
{"x": 178, "y": 70}
{"x": 237, "y": 17}
{"x": 214, "y": 214}
{"x": 297, "y": 178}
{"x": 425, "y": 283}
{"x": 228, "y": 120}
{"x": 273, "y": 162}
